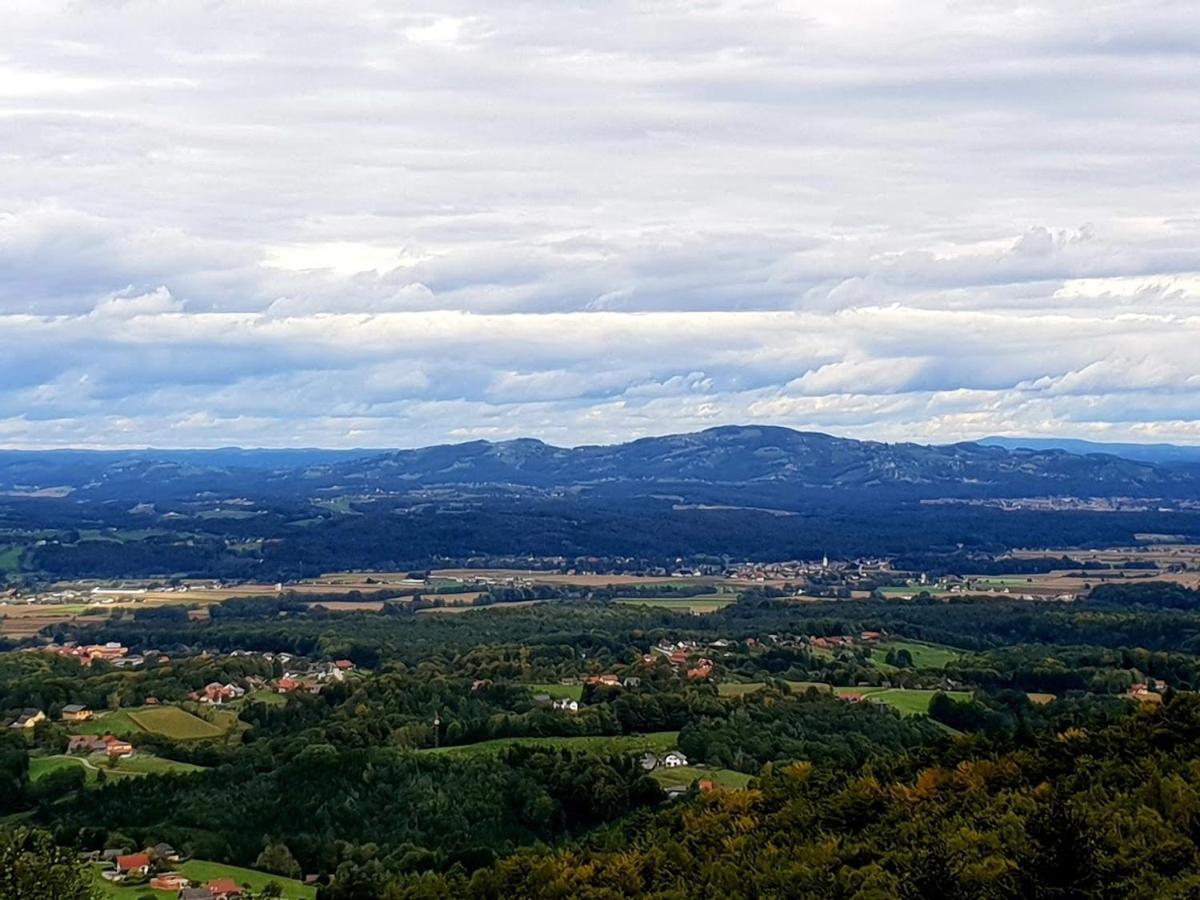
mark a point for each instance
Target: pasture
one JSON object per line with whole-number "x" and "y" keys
{"x": 924, "y": 655}
{"x": 202, "y": 872}
{"x": 683, "y": 776}
{"x": 557, "y": 691}
{"x": 140, "y": 764}
{"x": 654, "y": 741}
{"x": 705, "y": 603}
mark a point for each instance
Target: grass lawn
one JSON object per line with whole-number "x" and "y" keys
{"x": 655, "y": 741}
{"x": 924, "y": 655}
{"x": 175, "y": 723}
{"x": 146, "y": 764}
{"x": 116, "y": 722}
{"x": 683, "y": 776}
{"x": 137, "y": 765}
{"x": 201, "y": 871}
{"x": 41, "y": 766}
{"x": 108, "y": 889}
{"x": 703, "y": 604}
{"x": 267, "y": 696}
{"x": 557, "y": 691}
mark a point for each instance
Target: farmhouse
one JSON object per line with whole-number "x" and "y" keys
{"x": 674, "y": 759}
{"x": 607, "y": 680}
{"x": 566, "y": 704}
{"x": 116, "y": 747}
{"x": 75, "y": 712}
{"x": 224, "y": 889}
{"x": 133, "y": 864}
{"x": 86, "y": 743}
{"x": 28, "y": 718}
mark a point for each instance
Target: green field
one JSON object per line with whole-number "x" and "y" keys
{"x": 169, "y": 721}
{"x": 908, "y": 701}
{"x": 41, "y": 766}
{"x": 117, "y": 722}
{"x": 705, "y": 603}
{"x": 145, "y": 764}
{"x": 201, "y": 870}
{"x": 175, "y": 723}
{"x": 654, "y": 741}
{"x": 138, "y": 764}
{"x": 683, "y": 776}
{"x": 10, "y": 560}
{"x": 924, "y": 655}
{"x": 204, "y": 872}
{"x": 570, "y": 691}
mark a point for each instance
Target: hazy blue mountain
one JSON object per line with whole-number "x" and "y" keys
{"x": 725, "y": 464}
{"x": 1167, "y": 454}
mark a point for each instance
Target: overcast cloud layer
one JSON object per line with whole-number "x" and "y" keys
{"x": 344, "y": 224}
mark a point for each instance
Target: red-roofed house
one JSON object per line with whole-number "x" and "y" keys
{"x": 287, "y": 685}
{"x": 134, "y": 863}
{"x": 344, "y": 664}
{"x": 609, "y": 680}
{"x": 224, "y": 888}
{"x": 117, "y": 747}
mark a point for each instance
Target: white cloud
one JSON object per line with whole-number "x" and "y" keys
{"x": 361, "y": 224}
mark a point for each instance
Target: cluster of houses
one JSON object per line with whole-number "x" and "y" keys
{"x": 72, "y": 713}
{"x": 216, "y": 693}
{"x": 111, "y": 652}
{"x": 153, "y": 868}
{"x": 844, "y": 641}
{"x": 680, "y": 654}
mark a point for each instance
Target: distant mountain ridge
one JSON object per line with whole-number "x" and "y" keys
{"x": 745, "y": 454}
{"x": 721, "y": 461}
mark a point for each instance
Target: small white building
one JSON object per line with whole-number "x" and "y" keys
{"x": 674, "y": 760}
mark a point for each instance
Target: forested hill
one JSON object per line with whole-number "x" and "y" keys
{"x": 715, "y": 460}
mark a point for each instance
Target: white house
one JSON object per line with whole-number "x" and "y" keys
{"x": 674, "y": 759}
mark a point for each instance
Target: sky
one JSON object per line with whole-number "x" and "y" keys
{"x": 372, "y": 224}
